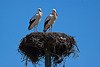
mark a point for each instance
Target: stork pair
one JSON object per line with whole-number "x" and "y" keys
{"x": 49, "y": 21}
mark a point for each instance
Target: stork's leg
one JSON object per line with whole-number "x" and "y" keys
{"x": 36, "y": 28}
{"x": 51, "y": 28}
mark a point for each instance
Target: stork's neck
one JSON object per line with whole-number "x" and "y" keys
{"x": 40, "y": 13}
{"x": 55, "y": 15}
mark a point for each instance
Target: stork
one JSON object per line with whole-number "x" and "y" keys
{"x": 49, "y": 21}
{"x": 35, "y": 20}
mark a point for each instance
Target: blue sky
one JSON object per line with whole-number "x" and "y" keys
{"x": 79, "y": 18}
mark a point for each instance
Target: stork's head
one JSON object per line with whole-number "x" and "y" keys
{"x": 39, "y": 10}
{"x": 54, "y": 12}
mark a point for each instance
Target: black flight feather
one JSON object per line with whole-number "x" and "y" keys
{"x": 31, "y": 22}
{"x": 46, "y": 23}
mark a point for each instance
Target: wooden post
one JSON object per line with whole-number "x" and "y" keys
{"x": 47, "y": 43}
{"x": 47, "y": 59}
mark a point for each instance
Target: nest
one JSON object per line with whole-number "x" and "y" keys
{"x": 35, "y": 44}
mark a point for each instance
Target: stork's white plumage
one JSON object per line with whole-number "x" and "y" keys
{"x": 35, "y": 20}
{"x": 49, "y": 21}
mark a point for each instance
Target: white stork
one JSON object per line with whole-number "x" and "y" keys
{"x": 35, "y": 20}
{"x": 49, "y": 21}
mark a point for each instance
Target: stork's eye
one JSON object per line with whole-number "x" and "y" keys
{"x": 39, "y": 10}
{"x": 53, "y": 11}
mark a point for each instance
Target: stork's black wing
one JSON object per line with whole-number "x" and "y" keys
{"x": 32, "y": 21}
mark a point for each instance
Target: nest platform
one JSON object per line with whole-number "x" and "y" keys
{"x": 35, "y": 44}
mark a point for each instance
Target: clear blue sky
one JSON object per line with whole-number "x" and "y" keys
{"x": 79, "y": 18}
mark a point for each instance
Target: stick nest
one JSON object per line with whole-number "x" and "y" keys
{"x": 34, "y": 45}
